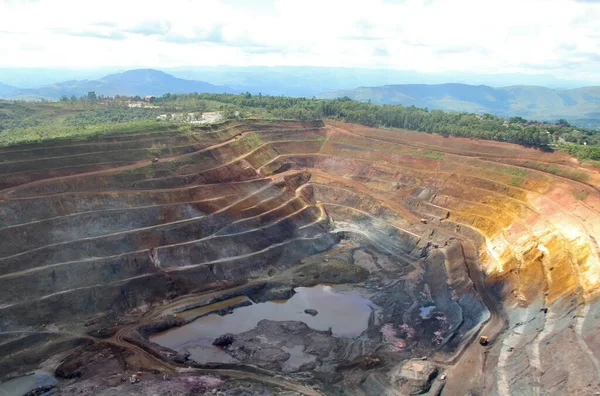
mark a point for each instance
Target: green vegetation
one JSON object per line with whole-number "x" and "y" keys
{"x": 111, "y": 115}
{"x": 516, "y": 181}
{"x": 447, "y": 124}
{"x": 584, "y": 152}
{"x": 563, "y": 171}
{"x": 504, "y": 169}
{"x": 92, "y": 115}
{"x": 52, "y": 132}
{"x": 513, "y": 171}
{"x": 253, "y": 140}
{"x": 580, "y": 195}
{"x": 518, "y": 102}
{"x": 431, "y": 154}
{"x": 22, "y": 122}
{"x": 25, "y": 122}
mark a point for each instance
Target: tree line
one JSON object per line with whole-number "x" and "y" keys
{"x": 479, "y": 126}
{"x": 93, "y": 109}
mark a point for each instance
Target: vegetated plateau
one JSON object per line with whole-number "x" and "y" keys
{"x": 470, "y": 265}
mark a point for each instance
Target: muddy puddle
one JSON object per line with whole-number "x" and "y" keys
{"x": 21, "y": 385}
{"x": 346, "y": 315}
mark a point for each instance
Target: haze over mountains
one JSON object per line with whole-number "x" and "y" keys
{"x": 289, "y": 80}
{"x": 578, "y": 105}
{"x": 129, "y": 83}
{"x": 309, "y": 80}
{"x": 7, "y": 90}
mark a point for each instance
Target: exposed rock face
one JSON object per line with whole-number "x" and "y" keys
{"x": 415, "y": 377}
{"x": 85, "y": 363}
{"x": 482, "y": 234}
{"x": 271, "y": 345}
{"x": 118, "y": 239}
{"x": 274, "y": 292}
{"x": 224, "y": 340}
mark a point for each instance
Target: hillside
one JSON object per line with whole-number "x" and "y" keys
{"x": 31, "y": 121}
{"x": 581, "y": 105}
{"x": 130, "y": 83}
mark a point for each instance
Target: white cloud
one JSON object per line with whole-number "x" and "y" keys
{"x": 485, "y": 36}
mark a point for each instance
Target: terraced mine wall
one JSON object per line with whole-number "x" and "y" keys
{"x": 68, "y": 251}
{"x": 501, "y": 239}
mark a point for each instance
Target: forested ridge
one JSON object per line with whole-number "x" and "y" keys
{"x": 89, "y": 115}
{"x": 581, "y": 142}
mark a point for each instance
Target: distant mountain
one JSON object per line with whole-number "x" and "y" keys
{"x": 580, "y": 105}
{"x": 35, "y": 77}
{"x": 7, "y": 90}
{"x": 309, "y": 80}
{"x": 130, "y": 83}
{"x": 291, "y": 80}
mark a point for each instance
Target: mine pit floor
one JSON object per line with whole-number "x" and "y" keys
{"x": 346, "y": 314}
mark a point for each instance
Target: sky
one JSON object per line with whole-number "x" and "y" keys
{"x": 555, "y": 37}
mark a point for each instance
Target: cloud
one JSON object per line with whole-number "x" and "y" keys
{"x": 105, "y": 24}
{"x": 417, "y": 43}
{"x": 568, "y": 47}
{"x": 261, "y": 50}
{"x": 555, "y": 66}
{"x": 461, "y": 50}
{"x": 363, "y": 30}
{"x": 28, "y": 46}
{"x": 98, "y": 33}
{"x": 363, "y": 38}
{"x": 380, "y": 52}
{"x": 149, "y": 28}
{"x": 591, "y": 57}
{"x": 213, "y": 34}
{"x": 561, "y": 36}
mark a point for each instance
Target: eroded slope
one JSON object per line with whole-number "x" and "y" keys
{"x": 502, "y": 239}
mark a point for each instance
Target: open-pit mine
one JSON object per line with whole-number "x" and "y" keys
{"x": 287, "y": 257}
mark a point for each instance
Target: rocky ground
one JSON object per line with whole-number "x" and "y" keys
{"x": 449, "y": 238}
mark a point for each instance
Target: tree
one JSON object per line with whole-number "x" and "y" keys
{"x": 73, "y": 98}
{"x": 517, "y": 120}
{"x": 64, "y": 98}
{"x": 91, "y": 96}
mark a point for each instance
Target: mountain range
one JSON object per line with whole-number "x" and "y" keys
{"x": 291, "y": 80}
{"x": 7, "y": 90}
{"x": 580, "y": 106}
{"x": 129, "y": 83}
{"x": 310, "y": 80}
